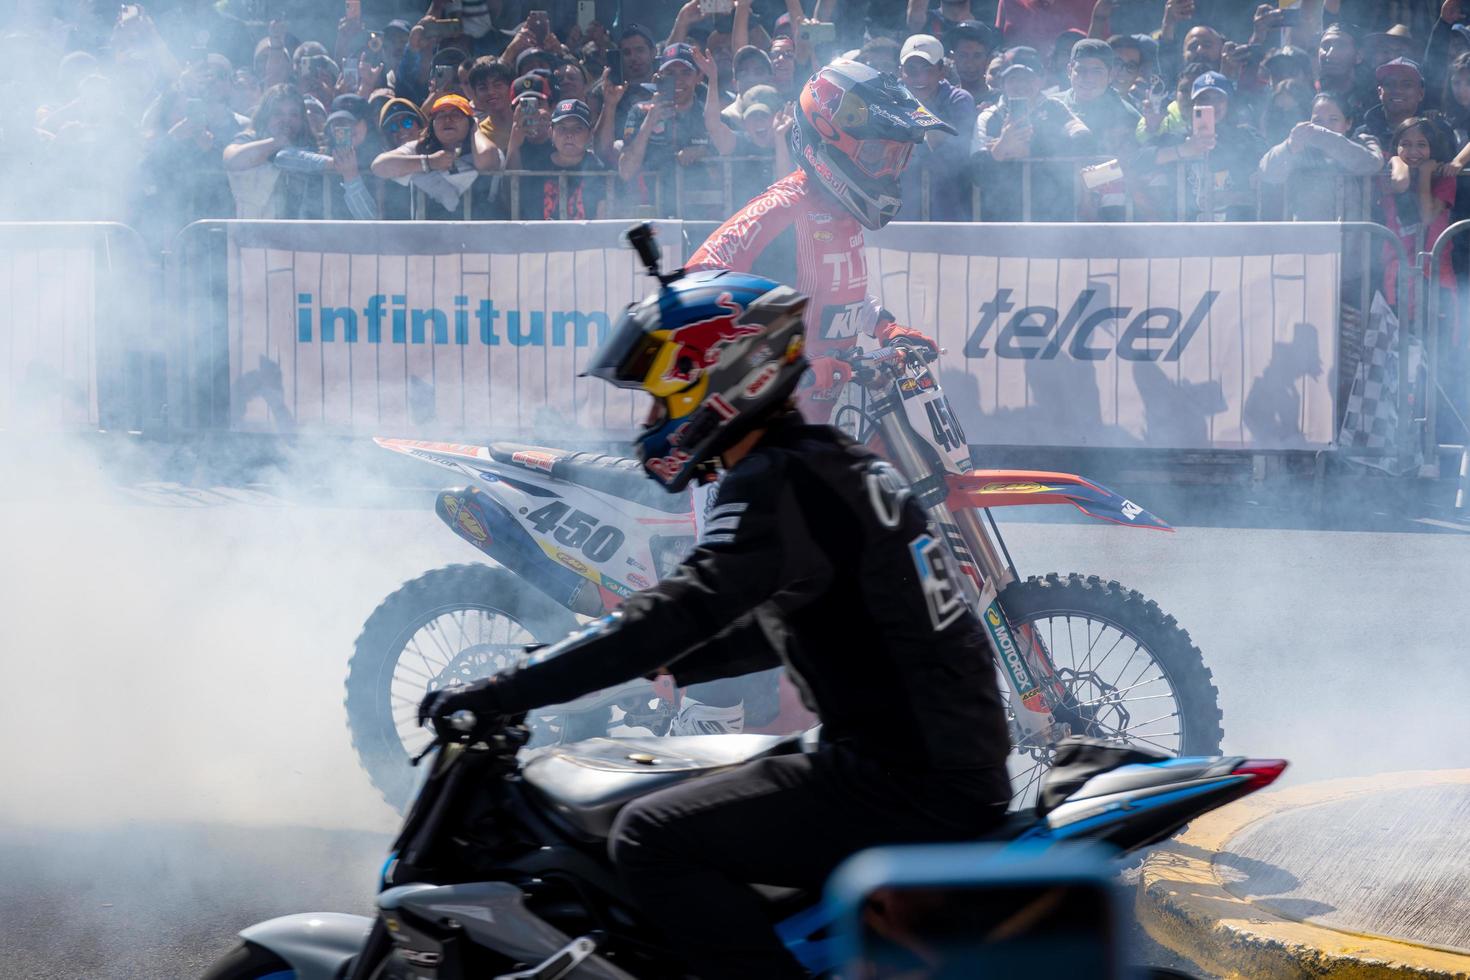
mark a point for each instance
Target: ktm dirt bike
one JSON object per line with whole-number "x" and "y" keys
{"x": 575, "y": 533}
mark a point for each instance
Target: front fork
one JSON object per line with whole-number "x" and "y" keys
{"x": 1023, "y": 657}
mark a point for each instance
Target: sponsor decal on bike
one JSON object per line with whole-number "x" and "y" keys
{"x": 759, "y": 380}
{"x": 1016, "y": 488}
{"x": 1131, "y": 510}
{"x": 534, "y": 459}
{"x": 637, "y": 581}
{"x": 909, "y": 387}
{"x": 451, "y": 504}
{"x": 1044, "y": 332}
{"x": 471, "y": 525}
{"x": 635, "y": 563}
{"x": 616, "y": 588}
{"x": 1005, "y": 645}
{"x": 573, "y": 563}
{"x": 698, "y": 345}
{"x": 937, "y": 580}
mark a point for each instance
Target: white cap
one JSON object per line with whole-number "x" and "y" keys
{"x": 924, "y": 46}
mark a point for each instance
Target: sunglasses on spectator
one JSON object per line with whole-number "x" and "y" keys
{"x": 1130, "y": 66}
{"x": 401, "y": 122}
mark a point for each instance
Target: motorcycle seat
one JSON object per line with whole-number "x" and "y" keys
{"x": 617, "y": 475}
{"x": 586, "y": 783}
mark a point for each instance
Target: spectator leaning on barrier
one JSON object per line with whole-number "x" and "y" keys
{"x": 1222, "y": 177}
{"x": 445, "y": 161}
{"x": 529, "y": 146}
{"x": 1027, "y": 129}
{"x": 970, "y": 44}
{"x": 586, "y": 197}
{"x": 261, "y": 188}
{"x": 1417, "y": 201}
{"x": 943, "y": 160}
{"x": 1313, "y": 158}
{"x": 671, "y": 134}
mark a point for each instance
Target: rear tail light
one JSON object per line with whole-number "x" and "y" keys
{"x": 1262, "y": 772}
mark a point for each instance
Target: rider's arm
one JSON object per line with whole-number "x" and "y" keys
{"x": 743, "y": 648}
{"x": 754, "y": 552}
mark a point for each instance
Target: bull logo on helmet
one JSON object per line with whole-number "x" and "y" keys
{"x": 697, "y": 345}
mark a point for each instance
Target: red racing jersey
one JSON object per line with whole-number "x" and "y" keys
{"x": 794, "y": 228}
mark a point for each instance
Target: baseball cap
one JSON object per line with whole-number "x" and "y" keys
{"x": 766, "y": 95}
{"x": 1211, "y": 80}
{"x": 751, "y": 53}
{"x": 924, "y": 46}
{"x": 451, "y": 101}
{"x": 1091, "y": 47}
{"x": 1020, "y": 58}
{"x": 637, "y": 30}
{"x": 1396, "y": 66}
{"x": 970, "y": 30}
{"x": 354, "y": 104}
{"x": 572, "y": 109}
{"x": 677, "y": 53}
{"x": 394, "y": 108}
{"x": 398, "y": 25}
{"x": 530, "y": 83}
{"x": 783, "y": 26}
{"x": 341, "y": 117}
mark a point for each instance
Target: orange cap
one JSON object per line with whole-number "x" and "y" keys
{"x": 451, "y": 101}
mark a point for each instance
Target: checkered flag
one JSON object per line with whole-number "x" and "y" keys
{"x": 1371, "y": 420}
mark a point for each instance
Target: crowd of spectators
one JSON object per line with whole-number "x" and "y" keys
{"x": 1065, "y": 109}
{"x": 1097, "y": 110}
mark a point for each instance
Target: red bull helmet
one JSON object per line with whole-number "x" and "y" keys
{"x": 719, "y": 351}
{"x": 855, "y": 128}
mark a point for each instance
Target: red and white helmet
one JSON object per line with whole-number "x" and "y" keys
{"x": 854, "y": 131}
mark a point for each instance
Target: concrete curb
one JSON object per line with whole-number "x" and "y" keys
{"x": 1184, "y": 906}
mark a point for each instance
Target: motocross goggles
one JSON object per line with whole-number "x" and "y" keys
{"x": 882, "y": 158}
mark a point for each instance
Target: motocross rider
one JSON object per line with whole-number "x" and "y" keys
{"x": 817, "y": 557}
{"x": 854, "y": 130}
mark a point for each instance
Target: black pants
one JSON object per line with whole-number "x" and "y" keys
{"x": 688, "y": 852}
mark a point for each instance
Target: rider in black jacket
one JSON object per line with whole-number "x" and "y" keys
{"x": 815, "y": 556}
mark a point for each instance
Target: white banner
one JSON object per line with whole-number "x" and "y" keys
{"x": 1197, "y": 336}
{"x": 1160, "y": 336}
{"x": 48, "y": 331}
{"x": 425, "y": 328}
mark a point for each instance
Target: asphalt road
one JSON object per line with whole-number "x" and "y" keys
{"x": 177, "y": 763}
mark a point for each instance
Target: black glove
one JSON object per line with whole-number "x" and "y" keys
{"x": 480, "y": 697}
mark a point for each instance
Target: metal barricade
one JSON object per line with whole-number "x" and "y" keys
{"x": 79, "y": 346}
{"x": 1432, "y": 307}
